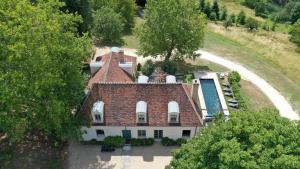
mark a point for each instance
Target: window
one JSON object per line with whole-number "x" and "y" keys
{"x": 141, "y": 133}
{"x": 141, "y": 118}
{"x": 158, "y": 134}
{"x": 186, "y": 133}
{"x": 98, "y": 117}
{"x": 100, "y": 133}
{"x": 173, "y": 118}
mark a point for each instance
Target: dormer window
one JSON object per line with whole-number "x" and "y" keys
{"x": 141, "y": 112}
{"x": 98, "y": 111}
{"x": 173, "y": 112}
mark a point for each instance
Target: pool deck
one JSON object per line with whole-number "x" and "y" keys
{"x": 214, "y": 76}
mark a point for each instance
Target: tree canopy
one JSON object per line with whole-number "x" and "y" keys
{"x": 295, "y": 33}
{"x": 171, "y": 28}
{"x": 107, "y": 27}
{"x": 248, "y": 140}
{"x": 40, "y": 68}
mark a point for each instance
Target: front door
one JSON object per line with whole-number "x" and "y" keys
{"x": 158, "y": 134}
{"x": 126, "y": 134}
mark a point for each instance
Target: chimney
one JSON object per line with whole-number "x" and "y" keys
{"x": 121, "y": 56}
{"x": 194, "y": 92}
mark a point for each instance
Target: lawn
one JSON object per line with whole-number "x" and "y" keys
{"x": 269, "y": 54}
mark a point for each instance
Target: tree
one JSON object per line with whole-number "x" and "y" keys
{"x": 107, "y": 27}
{"x": 234, "y": 77}
{"x": 213, "y": 16}
{"x": 246, "y": 140}
{"x": 40, "y": 68}
{"x": 171, "y": 28}
{"x": 251, "y": 24}
{"x": 241, "y": 19}
{"x": 295, "y": 13}
{"x": 83, "y": 8}
{"x": 126, "y": 9}
{"x": 227, "y": 23}
{"x": 207, "y": 9}
{"x": 215, "y": 9}
{"x": 224, "y": 13}
{"x": 148, "y": 68}
{"x": 260, "y": 8}
{"x": 295, "y": 33}
{"x": 202, "y": 5}
{"x": 233, "y": 18}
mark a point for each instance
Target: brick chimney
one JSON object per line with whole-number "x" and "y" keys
{"x": 121, "y": 56}
{"x": 195, "y": 95}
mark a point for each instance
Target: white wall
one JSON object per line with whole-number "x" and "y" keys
{"x": 173, "y": 132}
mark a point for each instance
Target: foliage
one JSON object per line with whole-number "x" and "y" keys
{"x": 114, "y": 141}
{"x": 148, "y": 68}
{"x": 166, "y": 141}
{"x": 251, "y": 24}
{"x": 202, "y": 5}
{"x": 215, "y": 9}
{"x": 227, "y": 23}
{"x": 171, "y": 28}
{"x": 40, "y": 68}
{"x": 139, "y": 67}
{"x": 223, "y": 14}
{"x": 295, "y": 33}
{"x": 241, "y": 18}
{"x": 207, "y": 9}
{"x": 181, "y": 141}
{"x": 83, "y": 8}
{"x": 7, "y": 157}
{"x": 126, "y": 9}
{"x": 169, "y": 67}
{"x": 238, "y": 96}
{"x": 189, "y": 77}
{"x": 91, "y": 142}
{"x": 246, "y": 140}
{"x": 268, "y": 25}
{"x": 142, "y": 142}
{"x": 213, "y": 16}
{"x": 232, "y": 18}
{"x": 234, "y": 77}
{"x": 107, "y": 27}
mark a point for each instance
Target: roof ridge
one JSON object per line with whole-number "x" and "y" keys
{"x": 110, "y": 57}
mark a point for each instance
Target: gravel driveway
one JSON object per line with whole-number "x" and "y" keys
{"x": 90, "y": 157}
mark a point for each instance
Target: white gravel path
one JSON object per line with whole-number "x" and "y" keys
{"x": 284, "y": 107}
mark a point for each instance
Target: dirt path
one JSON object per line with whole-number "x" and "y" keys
{"x": 275, "y": 97}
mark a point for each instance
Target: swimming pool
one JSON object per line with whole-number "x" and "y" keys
{"x": 211, "y": 97}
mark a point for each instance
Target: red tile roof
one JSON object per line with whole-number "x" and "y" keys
{"x": 120, "y": 103}
{"x": 111, "y": 71}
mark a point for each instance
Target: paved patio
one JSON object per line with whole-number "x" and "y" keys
{"x": 90, "y": 157}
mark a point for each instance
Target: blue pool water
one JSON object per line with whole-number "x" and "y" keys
{"x": 211, "y": 97}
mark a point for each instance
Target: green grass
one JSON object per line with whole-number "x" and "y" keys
{"x": 277, "y": 61}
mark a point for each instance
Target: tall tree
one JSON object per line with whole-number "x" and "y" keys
{"x": 207, "y": 9}
{"x": 40, "y": 68}
{"x": 126, "y": 9}
{"x": 224, "y": 14}
{"x": 295, "y": 33}
{"x": 216, "y": 9}
{"x": 171, "y": 28}
{"x": 84, "y": 9}
{"x": 107, "y": 27}
{"x": 241, "y": 18}
{"x": 246, "y": 140}
{"x": 202, "y": 5}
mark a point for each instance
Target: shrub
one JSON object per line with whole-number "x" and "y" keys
{"x": 251, "y": 24}
{"x": 241, "y": 18}
{"x": 295, "y": 33}
{"x": 142, "y": 142}
{"x": 223, "y": 14}
{"x": 166, "y": 141}
{"x": 181, "y": 141}
{"x": 169, "y": 67}
{"x": 148, "y": 68}
{"x": 92, "y": 142}
{"x": 115, "y": 141}
{"x": 227, "y": 23}
{"x": 234, "y": 77}
{"x": 189, "y": 77}
{"x": 138, "y": 67}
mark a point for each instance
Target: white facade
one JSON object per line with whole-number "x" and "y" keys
{"x": 173, "y": 132}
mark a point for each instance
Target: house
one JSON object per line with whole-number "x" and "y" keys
{"x": 116, "y": 104}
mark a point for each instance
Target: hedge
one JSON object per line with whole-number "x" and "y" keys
{"x": 166, "y": 141}
{"x": 115, "y": 141}
{"x": 142, "y": 142}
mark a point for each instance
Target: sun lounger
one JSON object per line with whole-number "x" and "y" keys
{"x": 232, "y": 101}
{"x": 225, "y": 84}
{"x": 221, "y": 75}
{"x": 234, "y": 105}
{"x": 228, "y": 94}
